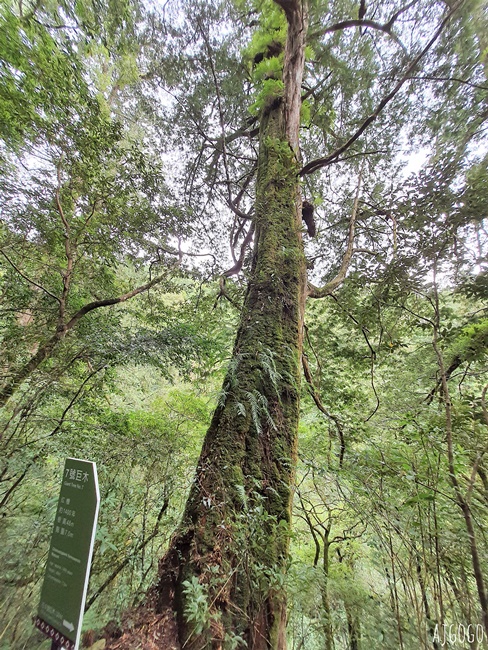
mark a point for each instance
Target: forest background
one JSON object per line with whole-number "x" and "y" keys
{"x": 128, "y": 161}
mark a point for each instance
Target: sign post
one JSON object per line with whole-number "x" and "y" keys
{"x": 65, "y": 584}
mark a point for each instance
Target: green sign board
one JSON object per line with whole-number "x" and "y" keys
{"x": 65, "y": 584}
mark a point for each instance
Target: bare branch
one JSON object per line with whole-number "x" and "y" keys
{"x": 238, "y": 265}
{"x": 361, "y": 153}
{"x": 234, "y": 203}
{"x": 347, "y": 24}
{"x": 321, "y": 292}
{"x": 223, "y": 294}
{"x": 316, "y": 398}
{"x": 110, "y": 301}
{"x": 402, "y": 10}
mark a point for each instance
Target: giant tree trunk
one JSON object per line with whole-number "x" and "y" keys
{"x": 223, "y": 573}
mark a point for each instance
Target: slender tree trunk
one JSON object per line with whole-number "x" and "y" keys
{"x": 461, "y": 500}
{"x": 425, "y": 602}
{"x": 438, "y": 557}
{"x": 353, "y": 628}
{"x": 352, "y": 618}
{"x": 328, "y": 631}
{"x": 392, "y": 583}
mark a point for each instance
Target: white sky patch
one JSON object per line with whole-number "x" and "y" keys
{"x": 415, "y": 160}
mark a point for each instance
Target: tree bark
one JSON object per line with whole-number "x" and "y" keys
{"x": 234, "y": 533}
{"x": 222, "y": 576}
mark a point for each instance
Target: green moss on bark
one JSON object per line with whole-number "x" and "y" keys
{"x": 235, "y": 531}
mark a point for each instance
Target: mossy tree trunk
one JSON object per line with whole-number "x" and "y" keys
{"x": 223, "y": 574}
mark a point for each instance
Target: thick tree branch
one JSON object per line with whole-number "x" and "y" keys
{"x": 47, "y": 349}
{"x": 239, "y": 213}
{"x": 347, "y": 24}
{"x": 317, "y": 164}
{"x": 111, "y": 301}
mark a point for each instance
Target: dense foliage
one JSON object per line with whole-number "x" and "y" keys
{"x": 128, "y": 172}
